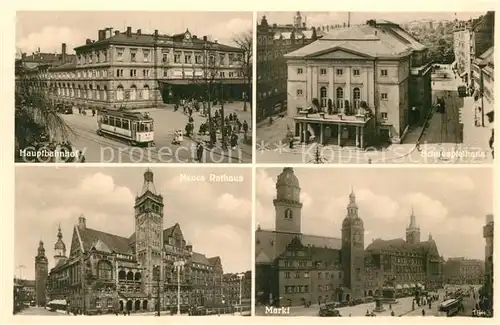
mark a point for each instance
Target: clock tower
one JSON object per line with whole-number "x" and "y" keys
{"x": 353, "y": 251}
{"x": 41, "y": 275}
{"x": 148, "y": 231}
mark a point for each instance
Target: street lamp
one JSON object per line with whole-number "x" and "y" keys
{"x": 179, "y": 265}
{"x": 157, "y": 273}
{"x": 241, "y": 276}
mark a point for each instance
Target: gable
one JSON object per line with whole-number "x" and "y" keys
{"x": 100, "y": 246}
{"x": 177, "y": 232}
{"x": 75, "y": 244}
{"x": 339, "y": 53}
{"x": 262, "y": 258}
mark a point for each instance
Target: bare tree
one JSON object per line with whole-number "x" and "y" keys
{"x": 35, "y": 113}
{"x": 245, "y": 43}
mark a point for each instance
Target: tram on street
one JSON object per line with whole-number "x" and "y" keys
{"x": 135, "y": 128}
{"x": 450, "y": 307}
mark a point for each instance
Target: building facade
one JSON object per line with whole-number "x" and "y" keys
{"x": 460, "y": 270}
{"x": 27, "y": 289}
{"x": 41, "y": 276}
{"x": 293, "y": 268}
{"x": 488, "y": 231}
{"x": 484, "y": 85}
{"x": 369, "y": 82}
{"x": 107, "y": 273}
{"x": 136, "y": 70}
{"x": 273, "y": 42}
{"x": 234, "y": 287}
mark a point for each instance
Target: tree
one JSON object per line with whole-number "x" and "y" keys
{"x": 209, "y": 80}
{"x": 35, "y": 113}
{"x": 245, "y": 43}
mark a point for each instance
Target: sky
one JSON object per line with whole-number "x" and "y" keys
{"x": 48, "y": 30}
{"x": 450, "y": 203}
{"x": 332, "y": 18}
{"x": 214, "y": 217}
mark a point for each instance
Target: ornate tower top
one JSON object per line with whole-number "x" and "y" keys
{"x": 413, "y": 221}
{"x": 413, "y": 231}
{"x": 148, "y": 182}
{"x": 59, "y": 247}
{"x": 287, "y": 178}
{"x": 41, "y": 249}
{"x": 352, "y": 212}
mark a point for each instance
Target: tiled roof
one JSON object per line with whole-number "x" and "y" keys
{"x": 214, "y": 261}
{"x": 65, "y": 66}
{"x": 149, "y": 39}
{"x": 375, "y": 41}
{"x": 169, "y": 231}
{"x": 115, "y": 243}
{"x": 400, "y": 245}
{"x": 199, "y": 258}
{"x": 488, "y": 57}
{"x": 267, "y": 238}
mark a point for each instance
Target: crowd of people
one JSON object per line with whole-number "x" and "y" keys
{"x": 230, "y": 127}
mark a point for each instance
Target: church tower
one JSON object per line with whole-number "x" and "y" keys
{"x": 287, "y": 203}
{"x": 297, "y": 20}
{"x": 353, "y": 251}
{"x": 413, "y": 231}
{"x": 59, "y": 248}
{"x": 41, "y": 275}
{"x": 148, "y": 230}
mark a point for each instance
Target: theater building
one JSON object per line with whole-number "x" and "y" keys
{"x": 293, "y": 268}
{"x": 132, "y": 69}
{"x": 359, "y": 85}
{"x": 104, "y": 272}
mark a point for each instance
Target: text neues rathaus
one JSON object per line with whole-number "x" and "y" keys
{"x": 293, "y": 268}
{"x": 108, "y": 273}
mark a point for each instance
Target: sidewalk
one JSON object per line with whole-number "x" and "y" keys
{"x": 474, "y": 136}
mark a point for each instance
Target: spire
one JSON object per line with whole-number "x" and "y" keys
{"x": 41, "y": 249}
{"x": 430, "y": 237}
{"x": 352, "y": 196}
{"x": 59, "y": 233}
{"x": 148, "y": 182}
{"x": 413, "y": 220}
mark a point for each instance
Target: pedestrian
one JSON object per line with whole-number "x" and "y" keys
{"x": 423, "y": 312}
{"x": 392, "y": 313}
{"x": 81, "y": 156}
{"x": 199, "y": 152}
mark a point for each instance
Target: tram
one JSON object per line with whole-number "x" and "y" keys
{"x": 134, "y": 128}
{"x": 450, "y": 307}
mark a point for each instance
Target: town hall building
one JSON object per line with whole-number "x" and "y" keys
{"x": 293, "y": 268}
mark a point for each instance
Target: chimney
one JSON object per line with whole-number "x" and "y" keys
{"x": 189, "y": 247}
{"x": 101, "y": 34}
{"x": 23, "y": 55}
{"x": 63, "y": 52}
{"x": 205, "y": 38}
{"x": 82, "y": 222}
{"x": 156, "y": 32}
{"x": 216, "y": 41}
{"x": 117, "y": 32}
{"x": 88, "y": 41}
{"x": 129, "y": 31}
{"x": 139, "y": 32}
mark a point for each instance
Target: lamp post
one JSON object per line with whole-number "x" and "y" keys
{"x": 179, "y": 265}
{"x": 241, "y": 276}
{"x": 157, "y": 273}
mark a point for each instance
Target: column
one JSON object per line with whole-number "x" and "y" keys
{"x": 301, "y": 133}
{"x": 339, "y": 128}
{"x": 321, "y": 133}
{"x": 367, "y": 88}
{"x": 308, "y": 84}
{"x": 347, "y": 91}
{"x": 357, "y": 136}
{"x": 315, "y": 76}
{"x": 331, "y": 84}
{"x": 362, "y": 136}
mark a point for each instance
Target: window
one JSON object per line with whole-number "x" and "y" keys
{"x": 133, "y": 56}
{"x": 197, "y": 59}
{"x": 383, "y": 72}
{"x": 288, "y": 214}
{"x": 340, "y": 72}
{"x": 145, "y": 92}
{"x": 323, "y": 96}
{"x": 119, "y": 54}
{"x": 165, "y": 57}
{"x": 322, "y": 71}
{"x": 145, "y": 73}
{"x": 133, "y": 72}
{"x": 340, "y": 97}
{"x": 356, "y": 97}
{"x": 97, "y": 303}
{"x": 231, "y": 74}
{"x": 146, "y": 55}
{"x": 306, "y": 275}
{"x": 187, "y": 59}
{"x": 384, "y": 115}
{"x": 133, "y": 92}
{"x": 355, "y": 72}
{"x": 383, "y": 96}
{"x": 119, "y": 93}
{"x": 177, "y": 58}
{"x": 119, "y": 72}
{"x": 297, "y": 275}
{"x": 287, "y": 275}
{"x": 299, "y": 92}
{"x": 300, "y": 71}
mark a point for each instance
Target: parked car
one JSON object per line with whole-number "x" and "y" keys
{"x": 326, "y": 311}
{"x": 64, "y": 109}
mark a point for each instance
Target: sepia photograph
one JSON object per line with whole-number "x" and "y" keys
{"x": 379, "y": 242}
{"x": 375, "y": 87}
{"x": 132, "y": 241}
{"x": 133, "y": 87}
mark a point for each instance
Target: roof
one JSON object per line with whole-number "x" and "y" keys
{"x": 199, "y": 259}
{"x": 160, "y": 40}
{"x": 323, "y": 254}
{"x": 400, "y": 245}
{"x": 266, "y": 250}
{"x": 91, "y": 237}
{"x": 386, "y": 40}
{"x": 25, "y": 283}
{"x": 487, "y": 57}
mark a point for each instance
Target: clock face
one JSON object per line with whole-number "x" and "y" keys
{"x": 188, "y": 36}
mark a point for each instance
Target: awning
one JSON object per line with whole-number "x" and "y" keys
{"x": 412, "y": 285}
{"x": 57, "y": 302}
{"x": 405, "y": 286}
{"x": 419, "y": 285}
{"x": 399, "y": 287}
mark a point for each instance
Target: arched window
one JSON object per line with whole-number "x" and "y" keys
{"x": 105, "y": 270}
{"x": 138, "y": 276}
{"x": 323, "y": 97}
{"x": 119, "y": 92}
{"x": 288, "y": 214}
{"x": 130, "y": 275}
{"x": 356, "y": 97}
{"x": 79, "y": 92}
{"x": 99, "y": 93}
{"x": 122, "y": 275}
{"x": 105, "y": 93}
{"x": 145, "y": 92}
{"x": 133, "y": 92}
{"x": 340, "y": 97}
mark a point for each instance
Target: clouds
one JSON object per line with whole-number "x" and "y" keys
{"x": 50, "y": 38}
{"x": 450, "y": 204}
{"x": 214, "y": 217}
